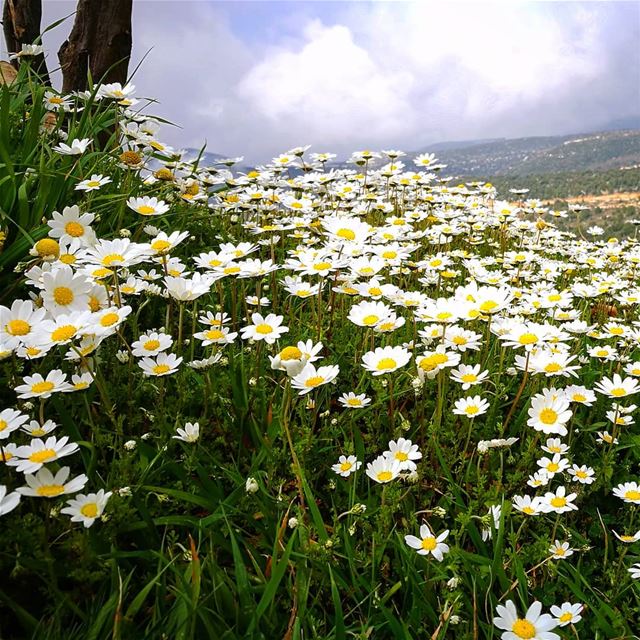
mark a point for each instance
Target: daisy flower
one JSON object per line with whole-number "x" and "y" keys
{"x": 76, "y": 148}
{"x": 216, "y": 336}
{"x": 384, "y": 360}
{"x": 151, "y": 344}
{"x": 37, "y": 430}
{"x": 189, "y": 434}
{"x": 93, "y": 184}
{"x": 354, "y": 401}
{"x": 560, "y": 550}
{"x": 531, "y": 506}
{"x": 471, "y": 406}
{"x": 147, "y": 206}
{"x": 31, "y": 457}
{"x": 467, "y": 375}
{"x": 310, "y": 378}
{"x": 559, "y": 502}
{"x": 268, "y": 328}
{"x": 163, "y": 365}
{"x": 44, "y": 484}
{"x": 72, "y": 224}
{"x": 429, "y": 543}
{"x": 555, "y": 445}
{"x": 36, "y": 386}
{"x": 549, "y": 415}
{"x": 383, "y": 469}
{"x": 18, "y": 322}
{"x": 617, "y": 387}
{"x": 10, "y": 420}
{"x": 346, "y": 465}
{"x": 628, "y": 492}
{"x": 87, "y": 508}
{"x": 533, "y": 626}
{"x": 405, "y": 452}
{"x": 567, "y": 613}
{"x": 627, "y": 538}
{"x": 583, "y": 474}
{"x": 557, "y": 464}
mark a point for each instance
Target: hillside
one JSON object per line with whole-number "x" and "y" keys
{"x": 521, "y": 156}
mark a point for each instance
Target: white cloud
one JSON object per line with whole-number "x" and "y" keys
{"x": 353, "y": 75}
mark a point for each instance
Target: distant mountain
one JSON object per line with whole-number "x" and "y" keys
{"x": 523, "y": 156}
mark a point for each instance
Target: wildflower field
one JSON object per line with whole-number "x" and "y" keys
{"x": 302, "y": 401}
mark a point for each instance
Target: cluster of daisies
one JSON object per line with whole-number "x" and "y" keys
{"x": 445, "y": 289}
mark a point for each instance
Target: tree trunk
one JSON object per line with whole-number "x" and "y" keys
{"x": 100, "y": 43}
{"x": 21, "y": 25}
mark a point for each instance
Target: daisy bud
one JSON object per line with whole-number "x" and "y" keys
{"x": 293, "y": 523}
{"x": 130, "y": 445}
{"x": 251, "y": 485}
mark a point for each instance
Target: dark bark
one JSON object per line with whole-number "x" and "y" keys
{"x": 100, "y": 43}
{"x": 21, "y": 25}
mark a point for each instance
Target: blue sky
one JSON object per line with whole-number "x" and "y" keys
{"x": 255, "y": 78}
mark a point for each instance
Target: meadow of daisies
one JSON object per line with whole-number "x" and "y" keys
{"x": 302, "y": 401}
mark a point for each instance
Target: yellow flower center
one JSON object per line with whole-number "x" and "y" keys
{"x": 160, "y": 245}
{"x": 345, "y": 466}
{"x": 36, "y": 433}
{"x": 553, "y": 467}
{"x": 3, "y": 425}
{"x": 384, "y": 476}
{"x": 63, "y": 296}
{"x": 370, "y": 320}
{"x": 44, "y": 455}
{"x": 215, "y": 263}
{"x": 264, "y": 329}
{"x": 548, "y": 416}
{"x": 313, "y": 381}
{"x": 74, "y": 229}
{"x": 347, "y": 234}
{"x": 159, "y": 369}
{"x": 602, "y": 353}
{"x": 552, "y": 367}
{"x": 93, "y": 183}
{"x": 18, "y": 327}
{"x": 581, "y": 474}
{"x": 523, "y": 629}
{"x": 50, "y": 490}
{"x": 67, "y": 258}
{"x": 578, "y": 397}
{"x": 94, "y": 304}
{"x": 89, "y": 510}
{"x": 471, "y": 410}
{"x": 290, "y": 353}
{"x": 322, "y": 266}
{"x": 375, "y": 291}
{"x": 55, "y": 100}
{"x": 618, "y": 392}
{"x": 566, "y": 617}
{"x": 528, "y": 338}
{"x": 459, "y": 340}
{"x": 632, "y": 495}
{"x": 213, "y": 334}
{"x": 64, "y": 333}
{"x": 146, "y": 210}
{"x": 42, "y": 387}
{"x": 558, "y": 501}
{"x": 33, "y": 351}
{"x": 469, "y": 377}
{"x": 429, "y": 543}
{"x": 109, "y": 319}
{"x": 386, "y": 363}
{"x": 47, "y": 247}
{"x": 488, "y": 306}
{"x": 112, "y": 258}
{"x": 402, "y": 456}
{"x": 528, "y": 510}
{"x": 354, "y": 402}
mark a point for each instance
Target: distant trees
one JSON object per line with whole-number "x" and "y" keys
{"x": 99, "y": 43}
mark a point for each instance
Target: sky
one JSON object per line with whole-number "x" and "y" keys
{"x": 255, "y": 78}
